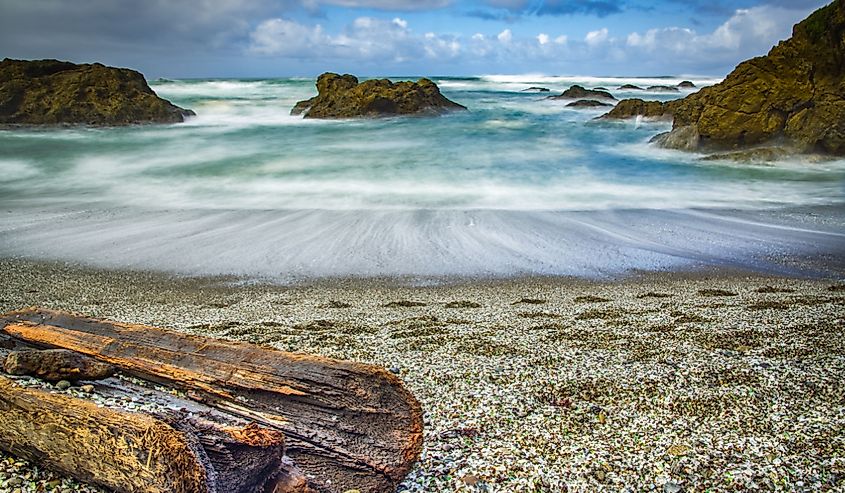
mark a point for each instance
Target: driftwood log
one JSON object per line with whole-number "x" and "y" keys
{"x": 133, "y": 452}
{"x": 345, "y": 425}
{"x": 56, "y": 364}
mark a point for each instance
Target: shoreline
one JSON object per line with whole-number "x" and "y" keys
{"x": 707, "y": 381}
{"x": 293, "y": 246}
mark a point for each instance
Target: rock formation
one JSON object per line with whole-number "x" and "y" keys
{"x": 579, "y": 92}
{"x": 50, "y": 92}
{"x": 662, "y": 89}
{"x": 536, "y": 89}
{"x": 793, "y": 97}
{"x": 630, "y": 87}
{"x": 587, "y": 103}
{"x": 342, "y": 96}
{"x": 686, "y": 85}
{"x": 631, "y": 108}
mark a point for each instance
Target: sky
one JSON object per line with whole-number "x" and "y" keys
{"x": 276, "y": 38}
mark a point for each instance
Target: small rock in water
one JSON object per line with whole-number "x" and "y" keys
{"x": 63, "y": 385}
{"x": 87, "y": 388}
{"x": 395, "y": 370}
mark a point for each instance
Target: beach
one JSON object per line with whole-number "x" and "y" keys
{"x": 708, "y": 380}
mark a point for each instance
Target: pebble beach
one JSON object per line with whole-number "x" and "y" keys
{"x": 657, "y": 382}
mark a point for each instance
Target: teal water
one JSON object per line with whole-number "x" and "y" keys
{"x": 518, "y": 184}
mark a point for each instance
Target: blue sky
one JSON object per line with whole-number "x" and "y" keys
{"x": 261, "y": 38}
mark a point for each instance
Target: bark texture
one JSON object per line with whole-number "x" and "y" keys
{"x": 347, "y": 425}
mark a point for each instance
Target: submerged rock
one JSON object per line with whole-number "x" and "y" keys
{"x": 793, "y": 97}
{"x": 686, "y": 85}
{"x": 587, "y": 103}
{"x": 51, "y": 92}
{"x": 536, "y": 89}
{"x": 662, "y": 89}
{"x": 342, "y": 96}
{"x": 579, "y": 92}
{"x": 630, "y": 87}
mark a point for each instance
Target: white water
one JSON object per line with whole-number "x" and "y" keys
{"x": 517, "y": 185}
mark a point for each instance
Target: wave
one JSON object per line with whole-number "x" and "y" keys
{"x": 292, "y": 245}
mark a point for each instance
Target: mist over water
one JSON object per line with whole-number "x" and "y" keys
{"x": 517, "y": 185}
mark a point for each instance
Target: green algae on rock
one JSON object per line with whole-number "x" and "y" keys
{"x": 51, "y": 92}
{"x": 793, "y": 97}
{"x": 342, "y": 96}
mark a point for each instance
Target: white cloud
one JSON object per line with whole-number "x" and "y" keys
{"x": 366, "y": 38}
{"x": 594, "y": 38}
{"x": 281, "y": 37}
{"x": 746, "y": 33}
{"x": 388, "y": 4}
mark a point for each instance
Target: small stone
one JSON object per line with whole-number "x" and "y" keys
{"x": 88, "y": 389}
{"x": 352, "y": 491}
{"x": 678, "y": 450}
{"x": 63, "y": 385}
{"x": 671, "y": 487}
{"x": 395, "y": 370}
{"x": 470, "y": 479}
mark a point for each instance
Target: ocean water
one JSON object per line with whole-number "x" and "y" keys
{"x": 518, "y": 185}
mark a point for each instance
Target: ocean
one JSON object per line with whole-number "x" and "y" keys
{"x": 518, "y": 185}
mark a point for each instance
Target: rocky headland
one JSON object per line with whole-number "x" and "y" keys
{"x": 342, "y": 96}
{"x": 793, "y": 98}
{"x": 51, "y": 92}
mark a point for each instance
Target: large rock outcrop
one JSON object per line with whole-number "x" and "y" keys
{"x": 342, "y": 96}
{"x": 792, "y": 97}
{"x": 50, "y": 92}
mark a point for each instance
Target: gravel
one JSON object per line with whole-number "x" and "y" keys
{"x": 656, "y": 383}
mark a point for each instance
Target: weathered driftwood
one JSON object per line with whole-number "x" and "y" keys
{"x": 347, "y": 425}
{"x": 56, "y": 364}
{"x": 150, "y": 452}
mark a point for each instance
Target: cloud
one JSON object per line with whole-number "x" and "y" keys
{"x": 543, "y": 38}
{"x": 505, "y": 36}
{"x": 388, "y": 4}
{"x": 595, "y": 38}
{"x": 747, "y": 33}
{"x": 366, "y": 39}
{"x": 511, "y": 9}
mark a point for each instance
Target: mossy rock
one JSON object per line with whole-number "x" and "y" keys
{"x": 631, "y": 108}
{"x": 51, "y": 92}
{"x": 580, "y": 92}
{"x": 342, "y": 96}
{"x": 793, "y": 97}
